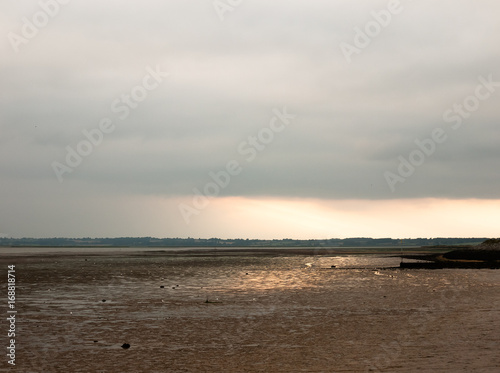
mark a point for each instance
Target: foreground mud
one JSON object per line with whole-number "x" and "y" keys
{"x": 251, "y": 314}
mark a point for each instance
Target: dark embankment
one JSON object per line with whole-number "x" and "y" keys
{"x": 485, "y": 255}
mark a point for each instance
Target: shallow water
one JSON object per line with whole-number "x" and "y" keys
{"x": 264, "y": 314}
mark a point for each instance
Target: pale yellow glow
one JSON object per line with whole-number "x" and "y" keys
{"x": 237, "y": 217}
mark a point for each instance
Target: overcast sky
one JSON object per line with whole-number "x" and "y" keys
{"x": 321, "y": 118}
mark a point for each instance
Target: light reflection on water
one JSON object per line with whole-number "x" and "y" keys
{"x": 355, "y": 261}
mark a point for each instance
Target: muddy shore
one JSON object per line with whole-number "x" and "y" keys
{"x": 279, "y": 313}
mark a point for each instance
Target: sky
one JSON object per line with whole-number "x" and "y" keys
{"x": 249, "y": 119}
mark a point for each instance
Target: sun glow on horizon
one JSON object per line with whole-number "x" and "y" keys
{"x": 276, "y": 218}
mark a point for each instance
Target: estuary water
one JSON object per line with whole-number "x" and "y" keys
{"x": 245, "y": 313}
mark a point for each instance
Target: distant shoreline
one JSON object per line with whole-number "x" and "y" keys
{"x": 347, "y": 243}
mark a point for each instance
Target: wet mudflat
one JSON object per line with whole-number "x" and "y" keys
{"x": 252, "y": 314}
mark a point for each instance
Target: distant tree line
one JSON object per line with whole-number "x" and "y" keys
{"x": 218, "y": 242}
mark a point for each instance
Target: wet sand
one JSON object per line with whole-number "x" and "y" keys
{"x": 272, "y": 313}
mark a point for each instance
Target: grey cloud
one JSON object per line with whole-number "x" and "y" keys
{"x": 353, "y": 120}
